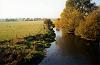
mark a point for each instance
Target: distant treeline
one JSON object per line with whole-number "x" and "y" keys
{"x": 24, "y": 19}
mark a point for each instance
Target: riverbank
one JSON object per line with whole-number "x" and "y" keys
{"x": 25, "y": 51}
{"x": 71, "y": 50}
{"x": 97, "y": 38}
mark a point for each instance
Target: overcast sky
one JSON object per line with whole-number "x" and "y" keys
{"x": 32, "y": 8}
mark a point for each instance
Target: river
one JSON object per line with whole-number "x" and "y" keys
{"x": 71, "y": 50}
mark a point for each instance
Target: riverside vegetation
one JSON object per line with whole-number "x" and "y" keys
{"x": 82, "y": 18}
{"x": 26, "y": 50}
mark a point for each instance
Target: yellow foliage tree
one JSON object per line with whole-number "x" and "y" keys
{"x": 70, "y": 19}
{"x": 58, "y": 23}
{"x": 90, "y": 28}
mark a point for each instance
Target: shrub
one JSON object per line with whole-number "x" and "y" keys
{"x": 49, "y": 24}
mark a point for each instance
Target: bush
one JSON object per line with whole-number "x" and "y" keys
{"x": 49, "y": 24}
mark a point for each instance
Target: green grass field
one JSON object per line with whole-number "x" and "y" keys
{"x": 11, "y": 30}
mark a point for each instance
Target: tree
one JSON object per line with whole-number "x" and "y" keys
{"x": 70, "y": 18}
{"x": 74, "y": 13}
{"x": 49, "y": 24}
{"x": 90, "y": 28}
{"x": 57, "y": 23}
{"x": 83, "y": 6}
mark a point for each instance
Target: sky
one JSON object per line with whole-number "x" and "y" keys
{"x": 32, "y": 8}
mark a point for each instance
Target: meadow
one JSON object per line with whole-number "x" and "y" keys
{"x": 12, "y": 30}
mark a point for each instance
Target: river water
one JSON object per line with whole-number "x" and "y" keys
{"x": 70, "y": 50}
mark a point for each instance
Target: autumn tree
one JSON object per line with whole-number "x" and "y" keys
{"x": 57, "y": 23}
{"x": 90, "y": 28}
{"x": 70, "y": 19}
{"x": 74, "y": 13}
{"x": 83, "y": 6}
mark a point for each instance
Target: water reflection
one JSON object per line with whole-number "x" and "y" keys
{"x": 82, "y": 51}
{"x": 71, "y": 50}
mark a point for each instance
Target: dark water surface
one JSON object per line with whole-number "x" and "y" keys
{"x": 70, "y": 50}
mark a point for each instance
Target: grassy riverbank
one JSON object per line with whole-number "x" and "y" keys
{"x": 30, "y": 51}
{"x": 27, "y": 47}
